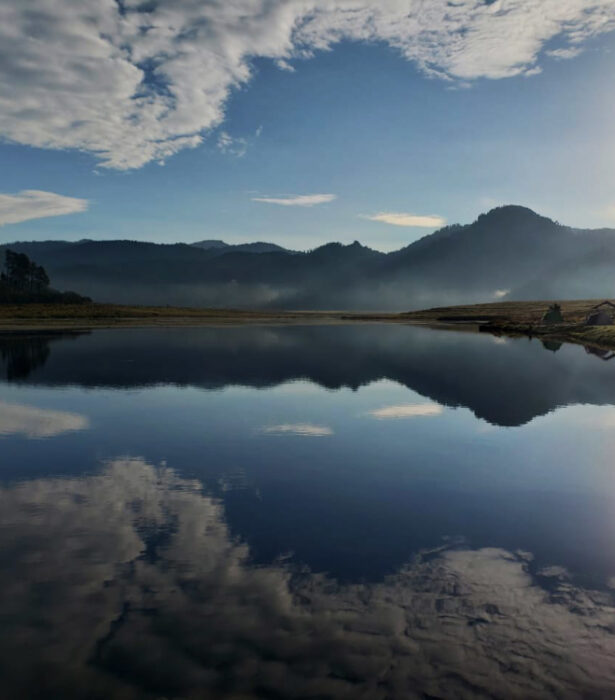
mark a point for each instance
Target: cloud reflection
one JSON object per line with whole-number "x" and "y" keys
{"x": 302, "y": 429}
{"x": 129, "y": 584}
{"x": 408, "y": 410}
{"x": 36, "y": 423}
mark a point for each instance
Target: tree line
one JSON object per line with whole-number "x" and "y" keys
{"x": 23, "y": 275}
{"x": 24, "y": 281}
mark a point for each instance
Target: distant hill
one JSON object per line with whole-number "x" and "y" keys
{"x": 510, "y": 252}
{"x": 209, "y": 245}
{"x": 257, "y": 247}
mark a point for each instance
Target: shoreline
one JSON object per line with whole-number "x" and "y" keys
{"x": 91, "y": 316}
{"x": 512, "y": 319}
{"x": 523, "y": 319}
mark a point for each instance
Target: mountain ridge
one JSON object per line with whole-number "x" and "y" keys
{"x": 509, "y": 252}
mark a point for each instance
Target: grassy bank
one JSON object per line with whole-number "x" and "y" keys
{"x": 44, "y": 316}
{"x": 523, "y": 318}
{"x": 504, "y": 318}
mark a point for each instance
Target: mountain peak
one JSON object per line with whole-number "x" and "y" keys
{"x": 511, "y": 213}
{"x": 209, "y": 244}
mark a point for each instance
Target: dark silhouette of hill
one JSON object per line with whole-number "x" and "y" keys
{"x": 209, "y": 244}
{"x": 505, "y": 384}
{"x": 510, "y": 252}
{"x": 256, "y": 247}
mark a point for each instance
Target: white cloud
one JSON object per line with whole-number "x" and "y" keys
{"x": 33, "y": 422}
{"x": 301, "y": 429}
{"x": 231, "y": 145}
{"x": 300, "y": 200}
{"x": 36, "y": 204}
{"x": 501, "y": 293}
{"x": 565, "y": 53}
{"x": 402, "y": 219}
{"x": 285, "y": 65}
{"x": 411, "y": 410}
{"x": 134, "y": 82}
{"x": 535, "y": 70}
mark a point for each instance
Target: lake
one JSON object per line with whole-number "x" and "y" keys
{"x": 351, "y": 511}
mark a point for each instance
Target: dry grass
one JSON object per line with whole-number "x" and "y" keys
{"x": 34, "y": 316}
{"x": 111, "y": 311}
{"x": 509, "y": 318}
{"x": 524, "y": 318}
{"x": 511, "y": 311}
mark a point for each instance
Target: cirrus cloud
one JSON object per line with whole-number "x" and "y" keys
{"x": 133, "y": 82}
{"x": 411, "y": 220}
{"x": 300, "y": 200}
{"x": 37, "y": 204}
{"x": 232, "y": 145}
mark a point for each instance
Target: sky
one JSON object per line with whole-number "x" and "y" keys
{"x": 301, "y": 122}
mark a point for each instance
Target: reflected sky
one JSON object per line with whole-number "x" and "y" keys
{"x": 411, "y": 410}
{"x": 301, "y": 429}
{"x": 235, "y": 513}
{"x": 129, "y": 584}
{"x": 32, "y": 422}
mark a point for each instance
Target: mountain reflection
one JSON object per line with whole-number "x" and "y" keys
{"x": 506, "y": 383}
{"x": 128, "y": 584}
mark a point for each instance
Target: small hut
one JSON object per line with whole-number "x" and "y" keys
{"x": 553, "y": 314}
{"x": 602, "y": 314}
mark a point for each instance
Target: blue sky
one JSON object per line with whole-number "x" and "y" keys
{"x": 360, "y": 122}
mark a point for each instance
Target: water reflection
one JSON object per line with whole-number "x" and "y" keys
{"x": 552, "y": 345}
{"x": 411, "y": 410}
{"x": 128, "y": 584}
{"x": 22, "y": 352}
{"x": 507, "y": 383}
{"x": 600, "y": 353}
{"x": 34, "y": 423}
{"x": 301, "y": 429}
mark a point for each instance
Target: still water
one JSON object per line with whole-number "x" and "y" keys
{"x": 305, "y": 512}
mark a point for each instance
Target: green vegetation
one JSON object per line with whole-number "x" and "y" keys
{"x": 23, "y": 281}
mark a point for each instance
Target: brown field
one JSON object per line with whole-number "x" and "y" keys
{"x": 45, "y": 316}
{"x": 505, "y": 318}
{"x": 511, "y": 311}
{"x": 522, "y": 318}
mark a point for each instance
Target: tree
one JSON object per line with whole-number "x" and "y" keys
{"x": 39, "y": 278}
{"x": 17, "y": 269}
{"x": 21, "y": 274}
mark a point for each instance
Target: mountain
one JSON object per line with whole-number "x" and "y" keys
{"x": 257, "y": 247}
{"x": 510, "y": 252}
{"x": 208, "y": 245}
